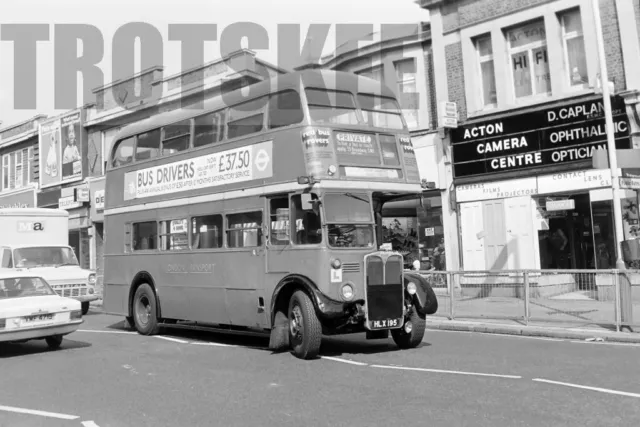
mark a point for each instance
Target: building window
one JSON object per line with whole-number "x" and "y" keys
{"x": 244, "y": 230}
{"x": 573, "y": 44}
{"x": 145, "y": 236}
{"x": 529, "y": 60}
{"x": 174, "y": 235}
{"x": 487, "y": 71}
{"x": 5, "y": 172}
{"x": 374, "y": 73}
{"x": 206, "y": 232}
{"x": 408, "y": 91}
{"x": 18, "y": 169}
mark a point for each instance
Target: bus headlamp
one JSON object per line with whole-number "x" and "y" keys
{"x": 411, "y": 288}
{"x": 347, "y": 292}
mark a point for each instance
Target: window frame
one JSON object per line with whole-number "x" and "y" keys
{"x": 132, "y": 235}
{"x": 137, "y": 140}
{"x": 6, "y": 164}
{"x": 566, "y": 36}
{"x": 259, "y": 228}
{"x": 219, "y": 127}
{"x": 273, "y": 218}
{"x": 528, "y": 48}
{"x": 221, "y": 238}
{"x": 15, "y": 167}
{"x": 262, "y": 111}
{"x": 480, "y": 60}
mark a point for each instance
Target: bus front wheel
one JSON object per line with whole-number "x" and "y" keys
{"x": 305, "y": 330}
{"x": 145, "y": 313}
{"x": 413, "y": 338}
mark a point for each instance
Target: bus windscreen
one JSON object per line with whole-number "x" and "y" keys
{"x": 331, "y": 107}
{"x": 380, "y": 111}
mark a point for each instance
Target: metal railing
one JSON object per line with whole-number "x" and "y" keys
{"x": 604, "y": 298}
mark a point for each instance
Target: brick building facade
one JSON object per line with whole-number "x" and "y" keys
{"x": 525, "y": 77}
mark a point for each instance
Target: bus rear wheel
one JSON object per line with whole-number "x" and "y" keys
{"x": 305, "y": 330}
{"x": 145, "y": 313}
{"x": 413, "y": 338}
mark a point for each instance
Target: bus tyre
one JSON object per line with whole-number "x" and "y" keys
{"x": 145, "y": 313}
{"x": 54, "y": 342}
{"x": 305, "y": 330}
{"x": 85, "y": 307}
{"x": 412, "y": 339}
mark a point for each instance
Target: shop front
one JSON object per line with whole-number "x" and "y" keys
{"x": 96, "y": 211}
{"x": 527, "y": 195}
{"x": 24, "y": 198}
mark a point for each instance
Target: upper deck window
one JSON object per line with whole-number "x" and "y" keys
{"x": 285, "y": 109}
{"x": 381, "y": 111}
{"x": 329, "y": 106}
{"x": 208, "y": 129}
{"x": 246, "y": 118}
{"x": 123, "y": 154}
{"x": 176, "y": 137}
{"x": 148, "y": 145}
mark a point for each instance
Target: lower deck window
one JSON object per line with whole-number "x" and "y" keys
{"x": 173, "y": 235}
{"x": 206, "y": 232}
{"x": 145, "y": 236}
{"x": 244, "y": 229}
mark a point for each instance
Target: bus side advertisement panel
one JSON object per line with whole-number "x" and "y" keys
{"x": 211, "y": 170}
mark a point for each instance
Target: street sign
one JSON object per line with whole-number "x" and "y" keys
{"x": 630, "y": 183}
{"x": 627, "y": 158}
{"x": 449, "y": 114}
{"x": 561, "y": 205}
{"x": 448, "y": 122}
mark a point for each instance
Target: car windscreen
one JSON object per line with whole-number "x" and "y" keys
{"x": 19, "y": 287}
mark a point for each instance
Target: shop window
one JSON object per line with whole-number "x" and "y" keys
{"x": 176, "y": 137}
{"x": 244, "y": 230}
{"x": 573, "y": 45}
{"x": 285, "y": 109}
{"x": 206, "y": 232}
{"x": 279, "y": 215}
{"x": 487, "y": 72}
{"x": 529, "y": 59}
{"x": 148, "y": 145}
{"x": 408, "y": 91}
{"x": 307, "y": 222}
{"x": 174, "y": 235}
{"x": 246, "y": 118}
{"x": 123, "y": 154}
{"x": 208, "y": 128}
{"x": 145, "y": 236}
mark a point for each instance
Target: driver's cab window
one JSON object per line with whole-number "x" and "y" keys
{"x": 279, "y": 220}
{"x": 308, "y": 227}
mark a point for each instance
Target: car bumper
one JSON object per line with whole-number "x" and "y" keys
{"x": 35, "y": 333}
{"x": 86, "y": 298}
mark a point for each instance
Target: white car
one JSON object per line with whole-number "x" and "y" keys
{"x": 31, "y": 310}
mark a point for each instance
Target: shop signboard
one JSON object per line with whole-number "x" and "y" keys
{"x": 574, "y": 181}
{"x": 497, "y": 190}
{"x": 96, "y": 189}
{"x": 561, "y": 205}
{"x": 560, "y": 135}
{"x": 18, "y": 199}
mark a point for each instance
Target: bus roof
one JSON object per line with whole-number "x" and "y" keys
{"x": 34, "y": 212}
{"x": 322, "y": 79}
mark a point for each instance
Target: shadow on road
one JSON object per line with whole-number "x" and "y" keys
{"x": 357, "y": 344}
{"x": 8, "y": 350}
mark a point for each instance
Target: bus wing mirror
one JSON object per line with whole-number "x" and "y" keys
{"x": 306, "y": 201}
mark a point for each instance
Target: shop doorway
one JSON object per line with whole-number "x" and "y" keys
{"x": 566, "y": 239}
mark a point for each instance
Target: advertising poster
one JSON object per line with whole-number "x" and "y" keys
{"x": 70, "y": 147}
{"x": 212, "y": 170}
{"x": 50, "y": 159}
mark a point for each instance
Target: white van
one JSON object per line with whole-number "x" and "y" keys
{"x": 38, "y": 239}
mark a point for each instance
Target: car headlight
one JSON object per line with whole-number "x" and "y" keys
{"x": 92, "y": 279}
{"x": 411, "y": 288}
{"x": 76, "y": 314}
{"x": 347, "y": 292}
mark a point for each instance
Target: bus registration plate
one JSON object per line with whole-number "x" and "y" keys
{"x": 386, "y": 323}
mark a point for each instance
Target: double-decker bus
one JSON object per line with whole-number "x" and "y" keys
{"x": 264, "y": 215}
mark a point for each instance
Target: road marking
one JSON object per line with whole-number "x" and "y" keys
{"x": 40, "y": 413}
{"x": 621, "y": 344}
{"x": 215, "y": 344}
{"x": 172, "y": 339}
{"x": 602, "y": 390}
{"x": 89, "y": 424}
{"x": 105, "y": 332}
{"x": 441, "y": 371}
{"x": 338, "y": 359}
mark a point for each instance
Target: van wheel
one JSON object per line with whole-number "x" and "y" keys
{"x": 305, "y": 330}
{"x": 85, "y": 307}
{"x": 412, "y": 339}
{"x": 54, "y": 342}
{"x": 145, "y": 313}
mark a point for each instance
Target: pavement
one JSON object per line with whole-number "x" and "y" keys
{"x": 104, "y": 376}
